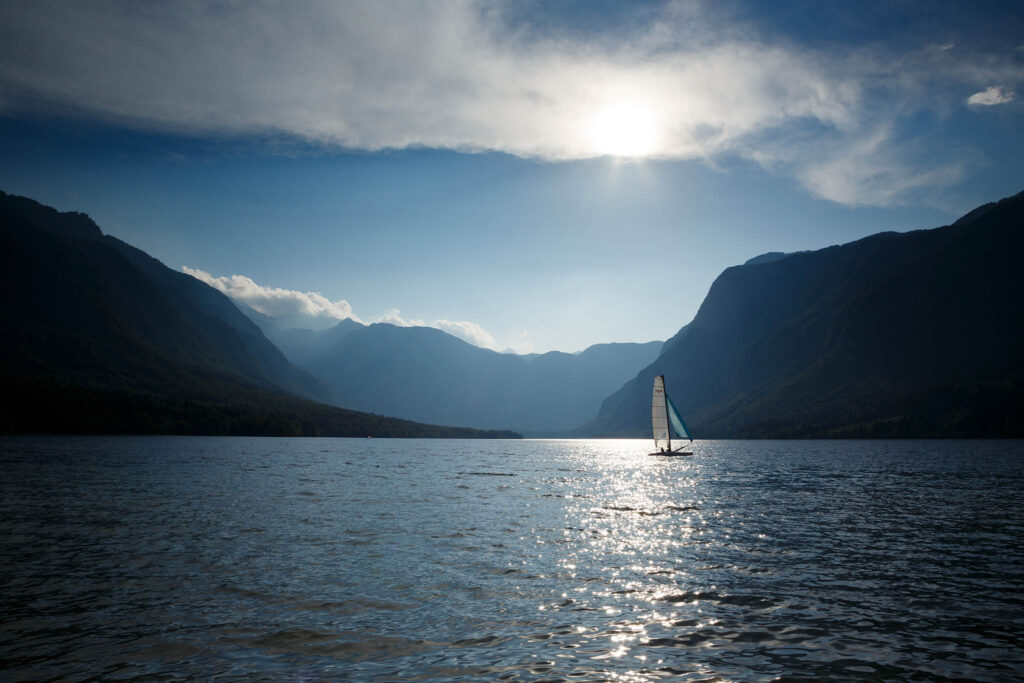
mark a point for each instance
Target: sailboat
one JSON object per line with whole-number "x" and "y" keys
{"x": 665, "y": 419}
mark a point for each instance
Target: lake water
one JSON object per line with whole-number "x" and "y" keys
{"x": 413, "y": 560}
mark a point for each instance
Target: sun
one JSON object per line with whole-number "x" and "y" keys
{"x": 625, "y": 129}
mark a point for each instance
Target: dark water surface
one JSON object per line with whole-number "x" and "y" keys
{"x": 396, "y": 560}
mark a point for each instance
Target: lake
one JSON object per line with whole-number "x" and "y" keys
{"x": 413, "y": 560}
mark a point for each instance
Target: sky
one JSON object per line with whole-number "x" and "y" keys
{"x": 526, "y": 175}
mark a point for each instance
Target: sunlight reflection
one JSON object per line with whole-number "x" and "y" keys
{"x": 633, "y": 539}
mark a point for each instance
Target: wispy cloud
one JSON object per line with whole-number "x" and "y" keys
{"x": 996, "y": 94}
{"x": 457, "y": 75}
{"x": 868, "y": 169}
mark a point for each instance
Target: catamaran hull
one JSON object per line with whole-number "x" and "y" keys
{"x": 671, "y": 453}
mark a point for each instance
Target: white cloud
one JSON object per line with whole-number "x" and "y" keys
{"x": 394, "y": 317}
{"x": 463, "y": 329}
{"x": 286, "y": 304}
{"x": 468, "y": 332}
{"x": 454, "y": 74}
{"x": 385, "y": 75}
{"x": 996, "y": 94}
{"x": 315, "y": 311}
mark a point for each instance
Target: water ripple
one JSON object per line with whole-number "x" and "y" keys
{"x": 317, "y": 559}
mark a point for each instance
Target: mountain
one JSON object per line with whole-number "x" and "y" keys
{"x": 81, "y": 302}
{"x": 299, "y": 344}
{"x": 99, "y": 336}
{"x": 897, "y": 334}
{"x": 424, "y": 374}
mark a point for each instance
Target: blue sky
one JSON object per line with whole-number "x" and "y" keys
{"x": 525, "y": 175}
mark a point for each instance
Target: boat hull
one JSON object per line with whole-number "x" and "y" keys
{"x": 669, "y": 454}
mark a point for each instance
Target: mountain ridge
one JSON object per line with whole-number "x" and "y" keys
{"x": 98, "y": 336}
{"x": 853, "y": 340}
{"x": 423, "y": 373}
{"x": 917, "y": 333}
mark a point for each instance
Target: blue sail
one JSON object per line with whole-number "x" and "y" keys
{"x": 677, "y": 422}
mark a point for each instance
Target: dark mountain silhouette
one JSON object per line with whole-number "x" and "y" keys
{"x": 422, "y": 373}
{"x": 98, "y": 336}
{"x": 898, "y": 334}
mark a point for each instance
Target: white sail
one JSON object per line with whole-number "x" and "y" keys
{"x": 659, "y": 414}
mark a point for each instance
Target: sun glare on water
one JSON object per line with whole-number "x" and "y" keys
{"x": 623, "y": 130}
